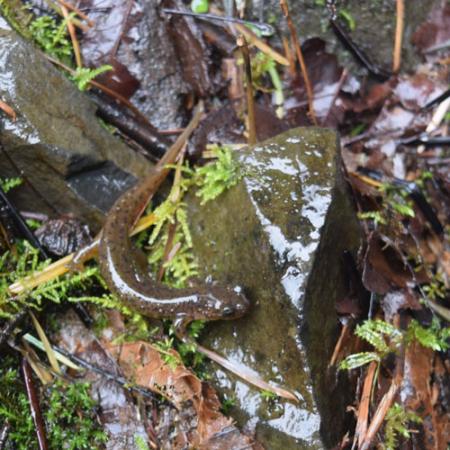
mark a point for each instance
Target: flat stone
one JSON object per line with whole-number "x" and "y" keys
{"x": 70, "y": 163}
{"x": 280, "y": 235}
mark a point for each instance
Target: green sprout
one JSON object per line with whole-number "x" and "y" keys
{"x": 83, "y": 75}
{"x": 396, "y": 422}
{"x": 10, "y": 183}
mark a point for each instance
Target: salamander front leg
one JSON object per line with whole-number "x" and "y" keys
{"x": 180, "y": 324}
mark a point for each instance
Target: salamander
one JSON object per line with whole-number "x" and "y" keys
{"x": 131, "y": 282}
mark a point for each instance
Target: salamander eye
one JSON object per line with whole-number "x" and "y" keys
{"x": 227, "y": 311}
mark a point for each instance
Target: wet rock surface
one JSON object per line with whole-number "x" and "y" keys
{"x": 280, "y": 234}
{"x": 69, "y": 162}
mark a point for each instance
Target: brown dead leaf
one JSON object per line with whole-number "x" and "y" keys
{"x": 415, "y": 91}
{"x": 373, "y": 99}
{"x": 115, "y": 25}
{"x": 325, "y": 75}
{"x": 382, "y": 269}
{"x": 186, "y": 35}
{"x": 144, "y": 364}
{"x": 436, "y": 29}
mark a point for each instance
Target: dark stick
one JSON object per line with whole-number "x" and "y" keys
{"x": 414, "y": 193}
{"x": 8, "y": 207}
{"x": 345, "y": 38}
{"x": 34, "y": 405}
{"x": 437, "y": 100}
{"x": 264, "y": 28}
{"x": 242, "y": 43}
{"x": 426, "y": 139}
{"x": 136, "y": 129}
{"x": 122, "y": 381}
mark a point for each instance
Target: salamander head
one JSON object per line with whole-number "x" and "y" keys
{"x": 221, "y": 303}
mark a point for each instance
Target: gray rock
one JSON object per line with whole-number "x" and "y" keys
{"x": 280, "y": 234}
{"x": 70, "y": 163}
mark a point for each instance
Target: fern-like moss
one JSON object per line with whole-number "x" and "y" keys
{"x": 396, "y": 424}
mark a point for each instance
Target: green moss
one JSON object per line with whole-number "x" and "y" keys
{"x": 396, "y": 424}
{"x": 10, "y": 183}
{"x": 68, "y": 411}
{"x": 17, "y": 15}
{"x": 52, "y": 37}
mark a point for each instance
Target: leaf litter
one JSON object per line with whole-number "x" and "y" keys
{"x": 404, "y": 263}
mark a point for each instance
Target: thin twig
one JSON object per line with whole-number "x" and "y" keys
{"x": 289, "y": 55}
{"x": 364, "y": 404}
{"x": 78, "y": 12}
{"x": 398, "y": 36}
{"x": 336, "y": 95}
{"x": 436, "y": 120}
{"x": 8, "y": 110}
{"x": 73, "y": 36}
{"x": 247, "y": 375}
{"x": 378, "y": 418}
{"x": 122, "y": 381}
{"x": 21, "y": 225}
{"x": 344, "y": 333}
{"x": 358, "y": 53}
{"x": 242, "y": 43}
{"x": 57, "y": 9}
{"x": 34, "y": 405}
{"x": 301, "y": 60}
{"x": 261, "y": 45}
{"x": 125, "y": 16}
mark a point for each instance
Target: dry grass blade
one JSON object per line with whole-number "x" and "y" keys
{"x": 378, "y": 418}
{"x": 344, "y": 333}
{"x": 60, "y": 357}
{"x": 73, "y": 36}
{"x": 77, "y": 11}
{"x": 436, "y": 120}
{"x": 41, "y": 372}
{"x": 47, "y": 346}
{"x": 62, "y": 266}
{"x": 242, "y": 44}
{"x": 363, "y": 409}
{"x": 57, "y": 8}
{"x": 247, "y": 376}
{"x": 252, "y": 39}
{"x": 441, "y": 310}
